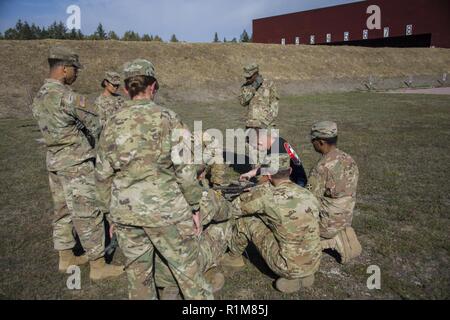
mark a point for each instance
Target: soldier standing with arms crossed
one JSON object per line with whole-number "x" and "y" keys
{"x": 109, "y": 101}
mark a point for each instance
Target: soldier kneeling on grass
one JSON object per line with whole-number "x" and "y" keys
{"x": 283, "y": 226}
{"x": 333, "y": 181}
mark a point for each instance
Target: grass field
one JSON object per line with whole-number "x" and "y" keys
{"x": 400, "y": 143}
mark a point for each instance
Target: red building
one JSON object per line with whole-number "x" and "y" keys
{"x": 404, "y": 23}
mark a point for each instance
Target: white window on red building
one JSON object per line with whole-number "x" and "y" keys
{"x": 409, "y": 29}
{"x": 283, "y": 41}
{"x": 365, "y": 34}
{"x": 346, "y": 36}
{"x": 328, "y": 37}
{"x": 312, "y": 39}
{"x": 297, "y": 40}
{"x": 386, "y": 32}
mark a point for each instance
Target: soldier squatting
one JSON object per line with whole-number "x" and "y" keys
{"x": 173, "y": 227}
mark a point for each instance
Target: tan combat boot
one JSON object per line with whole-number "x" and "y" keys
{"x": 234, "y": 261}
{"x": 290, "y": 286}
{"x": 347, "y": 245}
{"x": 171, "y": 293}
{"x": 100, "y": 270}
{"x": 67, "y": 259}
{"x": 215, "y": 279}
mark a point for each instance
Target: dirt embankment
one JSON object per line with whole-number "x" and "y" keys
{"x": 208, "y": 72}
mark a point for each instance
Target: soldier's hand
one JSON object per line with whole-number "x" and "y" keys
{"x": 244, "y": 177}
{"x": 198, "y": 227}
{"x": 111, "y": 230}
{"x": 247, "y": 176}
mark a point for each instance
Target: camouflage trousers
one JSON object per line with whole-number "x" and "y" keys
{"x": 177, "y": 245}
{"x": 218, "y": 173}
{"x": 213, "y": 244}
{"x": 334, "y": 218}
{"x": 252, "y": 228}
{"x": 74, "y": 199}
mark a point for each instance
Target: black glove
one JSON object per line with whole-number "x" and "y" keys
{"x": 258, "y": 82}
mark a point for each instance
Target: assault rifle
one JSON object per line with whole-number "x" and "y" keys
{"x": 234, "y": 189}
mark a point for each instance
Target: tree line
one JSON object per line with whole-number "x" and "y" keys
{"x": 243, "y": 38}
{"x": 58, "y": 30}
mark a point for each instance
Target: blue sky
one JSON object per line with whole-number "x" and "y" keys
{"x": 190, "y": 20}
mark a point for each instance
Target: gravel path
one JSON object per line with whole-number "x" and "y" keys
{"x": 445, "y": 91}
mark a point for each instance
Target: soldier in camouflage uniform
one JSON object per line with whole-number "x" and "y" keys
{"x": 109, "y": 101}
{"x": 212, "y": 158}
{"x": 333, "y": 181}
{"x": 71, "y": 168}
{"x": 218, "y": 220}
{"x": 153, "y": 201}
{"x": 284, "y": 228}
{"x": 260, "y": 97}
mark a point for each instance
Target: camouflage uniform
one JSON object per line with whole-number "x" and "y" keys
{"x": 106, "y": 106}
{"x": 213, "y": 241}
{"x": 150, "y": 198}
{"x": 285, "y": 229}
{"x": 212, "y": 157}
{"x": 333, "y": 181}
{"x": 261, "y": 99}
{"x": 69, "y": 163}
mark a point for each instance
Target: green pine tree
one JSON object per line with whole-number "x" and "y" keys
{"x": 173, "y": 38}
{"x": 216, "y": 37}
{"x": 100, "y": 33}
{"x": 112, "y": 36}
{"x": 80, "y": 35}
{"x": 73, "y": 35}
{"x": 146, "y": 37}
{"x": 245, "y": 37}
{"x": 131, "y": 36}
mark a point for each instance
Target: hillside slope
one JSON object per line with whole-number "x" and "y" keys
{"x": 207, "y": 72}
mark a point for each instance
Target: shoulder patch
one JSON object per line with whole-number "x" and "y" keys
{"x": 292, "y": 154}
{"x": 81, "y": 101}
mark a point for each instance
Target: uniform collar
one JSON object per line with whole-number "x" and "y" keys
{"x": 139, "y": 102}
{"x": 49, "y": 80}
{"x": 332, "y": 153}
{"x": 288, "y": 181}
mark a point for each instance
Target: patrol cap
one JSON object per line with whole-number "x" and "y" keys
{"x": 250, "y": 69}
{"x": 112, "y": 77}
{"x": 276, "y": 162}
{"x": 66, "y": 55}
{"x": 324, "y": 130}
{"x": 138, "y": 67}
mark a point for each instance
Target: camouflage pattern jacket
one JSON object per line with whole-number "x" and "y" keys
{"x": 333, "y": 181}
{"x": 137, "y": 182}
{"x": 262, "y": 104}
{"x": 106, "y": 106}
{"x": 291, "y": 213}
{"x": 56, "y": 108}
